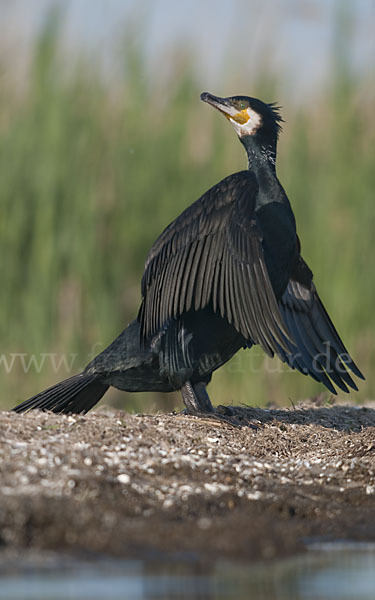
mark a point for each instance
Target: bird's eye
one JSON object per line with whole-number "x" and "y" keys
{"x": 242, "y": 105}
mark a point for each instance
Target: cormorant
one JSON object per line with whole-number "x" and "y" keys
{"x": 227, "y": 273}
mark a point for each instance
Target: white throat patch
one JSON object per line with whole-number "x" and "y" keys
{"x": 250, "y": 127}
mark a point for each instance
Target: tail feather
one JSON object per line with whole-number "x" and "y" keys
{"x": 78, "y": 394}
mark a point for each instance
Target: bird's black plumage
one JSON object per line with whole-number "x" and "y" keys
{"x": 212, "y": 254}
{"x": 226, "y": 274}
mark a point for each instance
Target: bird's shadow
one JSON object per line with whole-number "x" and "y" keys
{"x": 339, "y": 417}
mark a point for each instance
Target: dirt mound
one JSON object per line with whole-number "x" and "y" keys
{"x": 182, "y": 486}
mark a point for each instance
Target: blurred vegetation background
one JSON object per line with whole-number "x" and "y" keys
{"x": 90, "y": 174}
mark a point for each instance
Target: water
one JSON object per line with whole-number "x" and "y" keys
{"x": 325, "y": 572}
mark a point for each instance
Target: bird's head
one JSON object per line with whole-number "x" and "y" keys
{"x": 250, "y": 117}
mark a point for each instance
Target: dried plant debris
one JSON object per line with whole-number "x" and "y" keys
{"x": 253, "y": 484}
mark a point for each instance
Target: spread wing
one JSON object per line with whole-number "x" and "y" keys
{"x": 212, "y": 254}
{"x": 318, "y": 351}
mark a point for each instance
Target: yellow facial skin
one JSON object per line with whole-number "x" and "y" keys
{"x": 241, "y": 117}
{"x": 245, "y": 121}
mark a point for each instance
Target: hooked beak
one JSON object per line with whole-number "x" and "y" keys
{"x": 225, "y": 106}
{"x": 222, "y": 104}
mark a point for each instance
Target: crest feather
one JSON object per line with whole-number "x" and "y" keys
{"x": 275, "y": 108}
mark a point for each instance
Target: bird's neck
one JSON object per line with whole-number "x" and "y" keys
{"x": 261, "y": 154}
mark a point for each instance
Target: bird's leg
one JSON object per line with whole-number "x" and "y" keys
{"x": 197, "y": 401}
{"x": 204, "y": 399}
{"x": 195, "y": 398}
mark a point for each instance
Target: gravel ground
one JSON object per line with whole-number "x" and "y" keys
{"x": 182, "y": 487}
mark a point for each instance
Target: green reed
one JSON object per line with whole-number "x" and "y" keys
{"x": 90, "y": 173}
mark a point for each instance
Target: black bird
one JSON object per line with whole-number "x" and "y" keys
{"x": 226, "y": 274}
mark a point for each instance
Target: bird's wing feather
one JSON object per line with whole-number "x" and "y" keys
{"x": 319, "y": 350}
{"x": 212, "y": 253}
